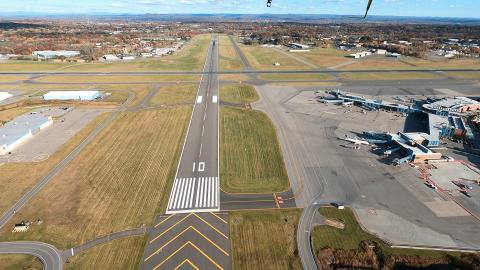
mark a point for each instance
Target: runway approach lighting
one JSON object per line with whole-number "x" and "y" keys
{"x": 269, "y": 4}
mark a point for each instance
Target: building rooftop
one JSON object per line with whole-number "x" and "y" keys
{"x": 20, "y": 126}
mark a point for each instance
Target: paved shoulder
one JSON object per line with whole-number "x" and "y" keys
{"x": 48, "y": 254}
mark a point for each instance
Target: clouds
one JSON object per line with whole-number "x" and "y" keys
{"x": 445, "y": 8}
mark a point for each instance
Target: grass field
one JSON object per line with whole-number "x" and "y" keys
{"x": 229, "y": 59}
{"x": 19, "y": 261}
{"x": 264, "y": 58}
{"x": 391, "y": 76}
{"x": 265, "y": 239}
{"x": 191, "y": 57}
{"x": 465, "y": 75}
{"x": 251, "y": 160}
{"x": 175, "y": 94}
{"x": 295, "y": 77}
{"x": 234, "y": 77}
{"x": 119, "y": 254}
{"x": 18, "y": 178}
{"x": 8, "y": 115}
{"x": 350, "y": 237}
{"x": 382, "y": 62}
{"x": 12, "y": 78}
{"x": 119, "y": 181}
{"x": 325, "y": 57}
{"x": 118, "y": 79}
{"x": 238, "y": 93}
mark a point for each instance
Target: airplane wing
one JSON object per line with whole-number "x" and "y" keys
{"x": 269, "y": 4}
{"x": 368, "y": 7}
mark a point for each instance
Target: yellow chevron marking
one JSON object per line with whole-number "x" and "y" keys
{"x": 161, "y": 222}
{"x": 189, "y": 262}
{"x": 213, "y": 227}
{"x": 217, "y": 216}
{"x": 171, "y": 227}
{"x": 184, "y": 245}
{"x": 180, "y": 234}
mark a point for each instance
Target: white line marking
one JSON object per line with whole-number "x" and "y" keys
{"x": 209, "y": 186}
{"x": 199, "y": 99}
{"x": 187, "y": 192}
{"x": 193, "y": 166}
{"x": 198, "y": 193}
{"x": 201, "y": 193}
{"x": 217, "y": 192}
{"x": 214, "y": 192}
{"x": 172, "y": 194}
{"x": 193, "y": 193}
{"x": 205, "y": 116}
{"x": 201, "y": 148}
{"x": 72, "y": 252}
{"x": 203, "y": 130}
{"x": 214, "y": 99}
{"x": 182, "y": 192}
{"x": 178, "y": 193}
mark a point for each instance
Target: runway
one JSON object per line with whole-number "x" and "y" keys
{"x": 196, "y": 187}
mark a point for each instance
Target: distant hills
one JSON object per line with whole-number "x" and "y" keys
{"x": 189, "y": 18}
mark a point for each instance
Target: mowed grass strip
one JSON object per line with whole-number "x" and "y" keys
{"x": 238, "y": 93}
{"x": 352, "y": 235}
{"x": 264, "y": 58}
{"x": 19, "y": 261}
{"x": 295, "y": 77}
{"x": 251, "y": 160}
{"x": 124, "y": 253}
{"x": 118, "y": 79}
{"x": 265, "y": 239}
{"x": 175, "y": 94}
{"x": 18, "y": 178}
{"x": 229, "y": 59}
{"x": 119, "y": 181}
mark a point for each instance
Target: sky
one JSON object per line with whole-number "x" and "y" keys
{"x": 421, "y": 8}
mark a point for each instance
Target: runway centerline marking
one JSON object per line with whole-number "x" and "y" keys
{"x": 199, "y": 99}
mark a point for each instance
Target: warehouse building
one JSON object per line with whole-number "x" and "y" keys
{"x": 5, "y": 95}
{"x": 21, "y": 129}
{"x": 55, "y": 54}
{"x": 72, "y": 95}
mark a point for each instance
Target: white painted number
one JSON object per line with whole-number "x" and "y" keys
{"x": 199, "y": 99}
{"x": 201, "y": 167}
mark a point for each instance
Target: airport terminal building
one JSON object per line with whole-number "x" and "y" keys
{"x": 21, "y": 129}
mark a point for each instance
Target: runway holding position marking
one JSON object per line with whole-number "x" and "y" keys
{"x": 196, "y": 187}
{"x": 189, "y": 241}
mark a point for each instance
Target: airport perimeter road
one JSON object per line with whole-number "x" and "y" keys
{"x": 49, "y": 255}
{"x": 196, "y": 187}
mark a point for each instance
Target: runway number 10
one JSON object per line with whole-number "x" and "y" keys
{"x": 201, "y": 166}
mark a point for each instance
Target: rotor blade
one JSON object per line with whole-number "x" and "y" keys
{"x": 368, "y": 8}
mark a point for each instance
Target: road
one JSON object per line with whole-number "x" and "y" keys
{"x": 196, "y": 186}
{"x": 216, "y": 71}
{"x": 49, "y": 255}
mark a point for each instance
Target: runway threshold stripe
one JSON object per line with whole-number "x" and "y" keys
{"x": 209, "y": 188}
{"x": 197, "y": 194}
{"x": 193, "y": 193}
{"x": 172, "y": 194}
{"x": 179, "y": 195}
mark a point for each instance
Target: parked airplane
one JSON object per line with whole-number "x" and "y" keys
{"x": 269, "y": 4}
{"x": 355, "y": 141}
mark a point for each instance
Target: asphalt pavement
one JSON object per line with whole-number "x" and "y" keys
{"x": 49, "y": 255}
{"x": 197, "y": 186}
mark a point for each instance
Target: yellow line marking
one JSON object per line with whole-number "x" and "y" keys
{"x": 180, "y": 234}
{"x": 184, "y": 245}
{"x": 164, "y": 220}
{"x": 189, "y": 262}
{"x": 218, "y": 231}
{"x": 171, "y": 227}
{"x": 217, "y": 216}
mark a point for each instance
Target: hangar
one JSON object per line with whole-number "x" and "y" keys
{"x": 20, "y": 129}
{"x": 5, "y": 95}
{"x": 72, "y": 95}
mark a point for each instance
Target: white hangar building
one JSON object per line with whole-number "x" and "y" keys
{"x": 72, "y": 95}
{"x": 20, "y": 129}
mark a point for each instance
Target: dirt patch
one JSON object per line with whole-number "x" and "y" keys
{"x": 370, "y": 256}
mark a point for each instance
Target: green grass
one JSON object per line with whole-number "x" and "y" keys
{"x": 19, "y": 261}
{"x": 265, "y": 239}
{"x": 229, "y": 59}
{"x": 124, "y": 253}
{"x": 238, "y": 93}
{"x": 251, "y": 160}
{"x": 264, "y": 58}
{"x": 350, "y": 237}
{"x": 175, "y": 94}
